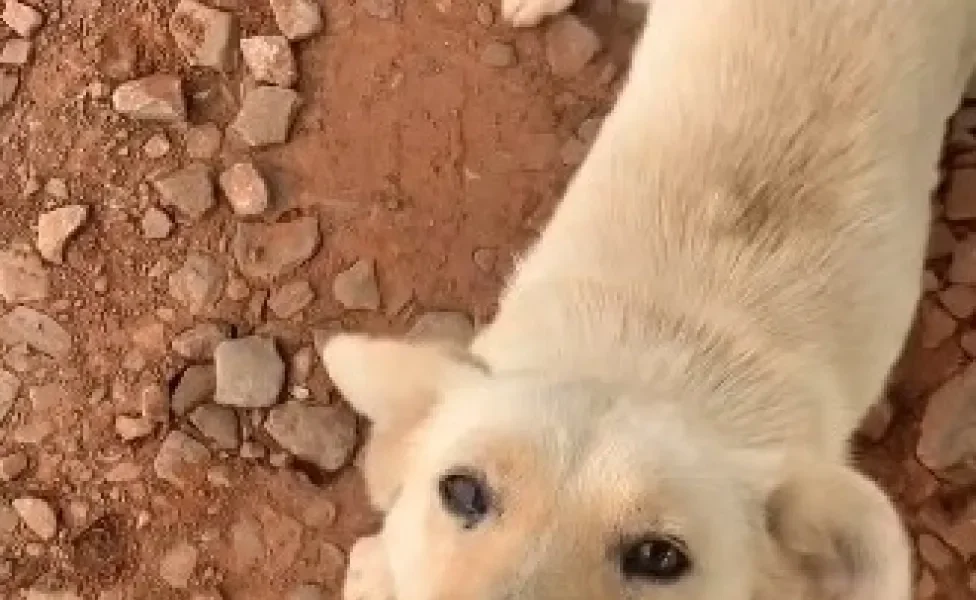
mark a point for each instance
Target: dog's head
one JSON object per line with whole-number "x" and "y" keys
{"x": 500, "y": 486}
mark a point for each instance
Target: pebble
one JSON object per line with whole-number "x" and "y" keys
{"x": 123, "y": 472}
{"x": 200, "y": 341}
{"x": 177, "y": 566}
{"x": 178, "y": 454}
{"x": 13, "y": 466}
{"x": 157, "y": 146}
{"x": 9, "y": 387}
{"x": 25, "y": 325}
{"x": 266, "y": 116}
{"x": 133, "y": 428}
{"x": 443, "y": 325}
{"x": 269, "y": 251}
{"x": 198, "y": 284}
{"x": 270, "y": 60}
{"x": 356, "y": 288}
{"x": 246, "y": 544}
{"x": 959, "y": 300}
{"x": 307, "y": 591}
{"x": 190, "y": 190}
{"x": 290, "y": 299}
{"x": 202, "y": 142}
{"x": 301, "y": 364}
{"x": 498, "y": 55}
{"x": 962, "y": 269}
{"x": 946, "y": 440}
{"x": 589, "y": 129}
{"x": 196, "y": 386}
{"x": 250, "y": 373}
{"x": 297, "y": 19}
{"x": 322, "y": 435}
{"x": 55, "y": 227}
{"x": 38, "y": 516}
{"x": 245, "y": 189}
{"x": 573, "y": 151}
{"x": 960, "y": 200}
{"x": 156, "y": 224}
{"x": 570, "y": 45}
{"x": 252, "y": 451}
{"x": 8, "y": 87}
{"x": 202, "y": 34}
{"x": 484, "y": 15}
{"x": 22, "y": 277}
{"x": 157, "y": 98}
{"x": 57, "y": 188}
{"x": 218, "y": 424}
{"x": 24, "y": 19}
{"x": 16, "y": 52}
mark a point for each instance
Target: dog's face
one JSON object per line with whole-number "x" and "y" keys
{"x": 511, "y": 486}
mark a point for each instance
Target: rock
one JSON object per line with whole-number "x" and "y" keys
{"x": 16, "y": 52}
{"x": 9, "y": 82}
{"x": 307, "y": 591}
{"x": 123, "y": 472}
{"x": 12, "y": 466}
{"x": 198, "y": 284}
{"x": 9, "y": 387}
{"x": 290, "y": 299}
{"x": 57, "y": 188}
{"x": 245, "y": 189}
{"x": 177, "y": 566}
{"x": 38, "y": 516}
{"x": 155, "y": 98}
{"x": 25, "y": 325}
{"x": 959, "y": 300}
{"x": 266, "y": 116}
{"x": 875, "y": 424}
{"x": 962, "y": 269}
{"x": 247, "y": 545}
{"x": 24, "y": 19}
{"x": 202, "y": 142}
{"x": 55, "y": 227}
{"x": 200, "y": 341}
{"x": 322, "y": 435}
{"x": 356, "y": 288}
{"x": 270, "y": 60}
{"x": 22, "y": 277}
{"x": 381, "y": 9}
{"x": 498, "y": 55}
{"x": 269, "y": 251}
{"x": 297, "y": 19}
{"x": 250, "y": 373}
{"x": 157, "y": 146}
{"x": 133, "y": 428}
{"x": 948, "y": 432}
{"x": 189, "y": 190}
{"x": 218, "y": 424}
{"x": 937, "y": 325}
{"x": 178, "y": 455}
{"x": 445, "y": 325}
{"x": 156, "y": 224}
{"x": 204, "y": 35}
{"x": 301, "y": 364}
{"x": 197, "y": 386}
{"x": 570, "y": 45}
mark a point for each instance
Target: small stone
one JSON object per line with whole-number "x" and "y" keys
{"x": 484, "y": 15}
{"x": 9, "y": 387}
{"x": 307, "y": 591}
{"x": 962, "y": 269}
{"x": 937, "y": 325}
{"x": 218, "y": 424}
{"x": 202, "y": 34}
{"x": 290, "y": 299}
{"x": 322, "y": 435}
{"x": 443, "y": 325}
{"x": 15, "y": 52}
{"x": 154, "y": 402}
{"x": 269, "y": 251}
{"x": 959, "y": 300}
{"x": 266, "y": 116}
{"x": 270, "y": 60}
{"x": 123, "y": 472}
{"x": 202, "y": 141}
{"x": 245, "y": 189}
{"x": 12, "y": 466}
{"x": 250, "y": 373}
{"x": 198, "y": 284}
{"x": 177, "y": 456}
{"x": 9, "y": 82}
{"x": 380, "y": 9}
{"x": 57, "y": 188}
{"x": 133, "y": 428}
{"x": 570, "y": 45}
{"x": 25, "y": 325}
{"x": 38, "y": 516}
{"x": 22, "y": 277}
{"x": 297, "y": 19}
{"x": 189, "y": 190}
{"x": 177, "y": 566}
{"x": 197, "y": 386}
{"x": 247, "y": 545}
{"x": 200, "y": 341}
{"x": 24, "y": 19}
{"x": 948, "y": 430}
{"x": 156, "y": 98}
{"x": 55, "y": 227}
{"x": 252, "y": 451}
{"x": 875, "y": 424}
{"x": 157, "y": 146}
{"x": 498, "y": 55}
{"x": 356, "y": 288}
{"x": 960, "y": 200}
{"x": 156, "y": 224}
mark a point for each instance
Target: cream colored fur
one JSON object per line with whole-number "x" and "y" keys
{"x": 688, "y": 347}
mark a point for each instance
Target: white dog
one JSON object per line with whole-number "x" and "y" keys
{"x": 662, "y": 407}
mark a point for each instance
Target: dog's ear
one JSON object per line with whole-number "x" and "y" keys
{"x": 839, "y": 531}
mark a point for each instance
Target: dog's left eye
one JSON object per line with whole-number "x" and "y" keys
{"x": 658, "y": 559}
{"x": 465, "y": 496}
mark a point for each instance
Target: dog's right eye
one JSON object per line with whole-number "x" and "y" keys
{"x": 465, "y": 496}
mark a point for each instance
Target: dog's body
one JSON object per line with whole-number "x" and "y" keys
{"x": 687, "y": 349}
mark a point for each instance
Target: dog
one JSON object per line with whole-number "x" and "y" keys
{"x": 662, "y": 407}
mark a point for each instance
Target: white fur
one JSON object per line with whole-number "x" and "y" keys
{"x": 712, "y": 309}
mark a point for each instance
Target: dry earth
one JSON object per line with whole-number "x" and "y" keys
{"x": 178, "y": 226}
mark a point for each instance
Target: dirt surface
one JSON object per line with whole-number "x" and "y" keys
{"x": 428, "y": 147}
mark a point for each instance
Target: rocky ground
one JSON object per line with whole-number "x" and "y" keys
{"x": 191, "y": 195}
